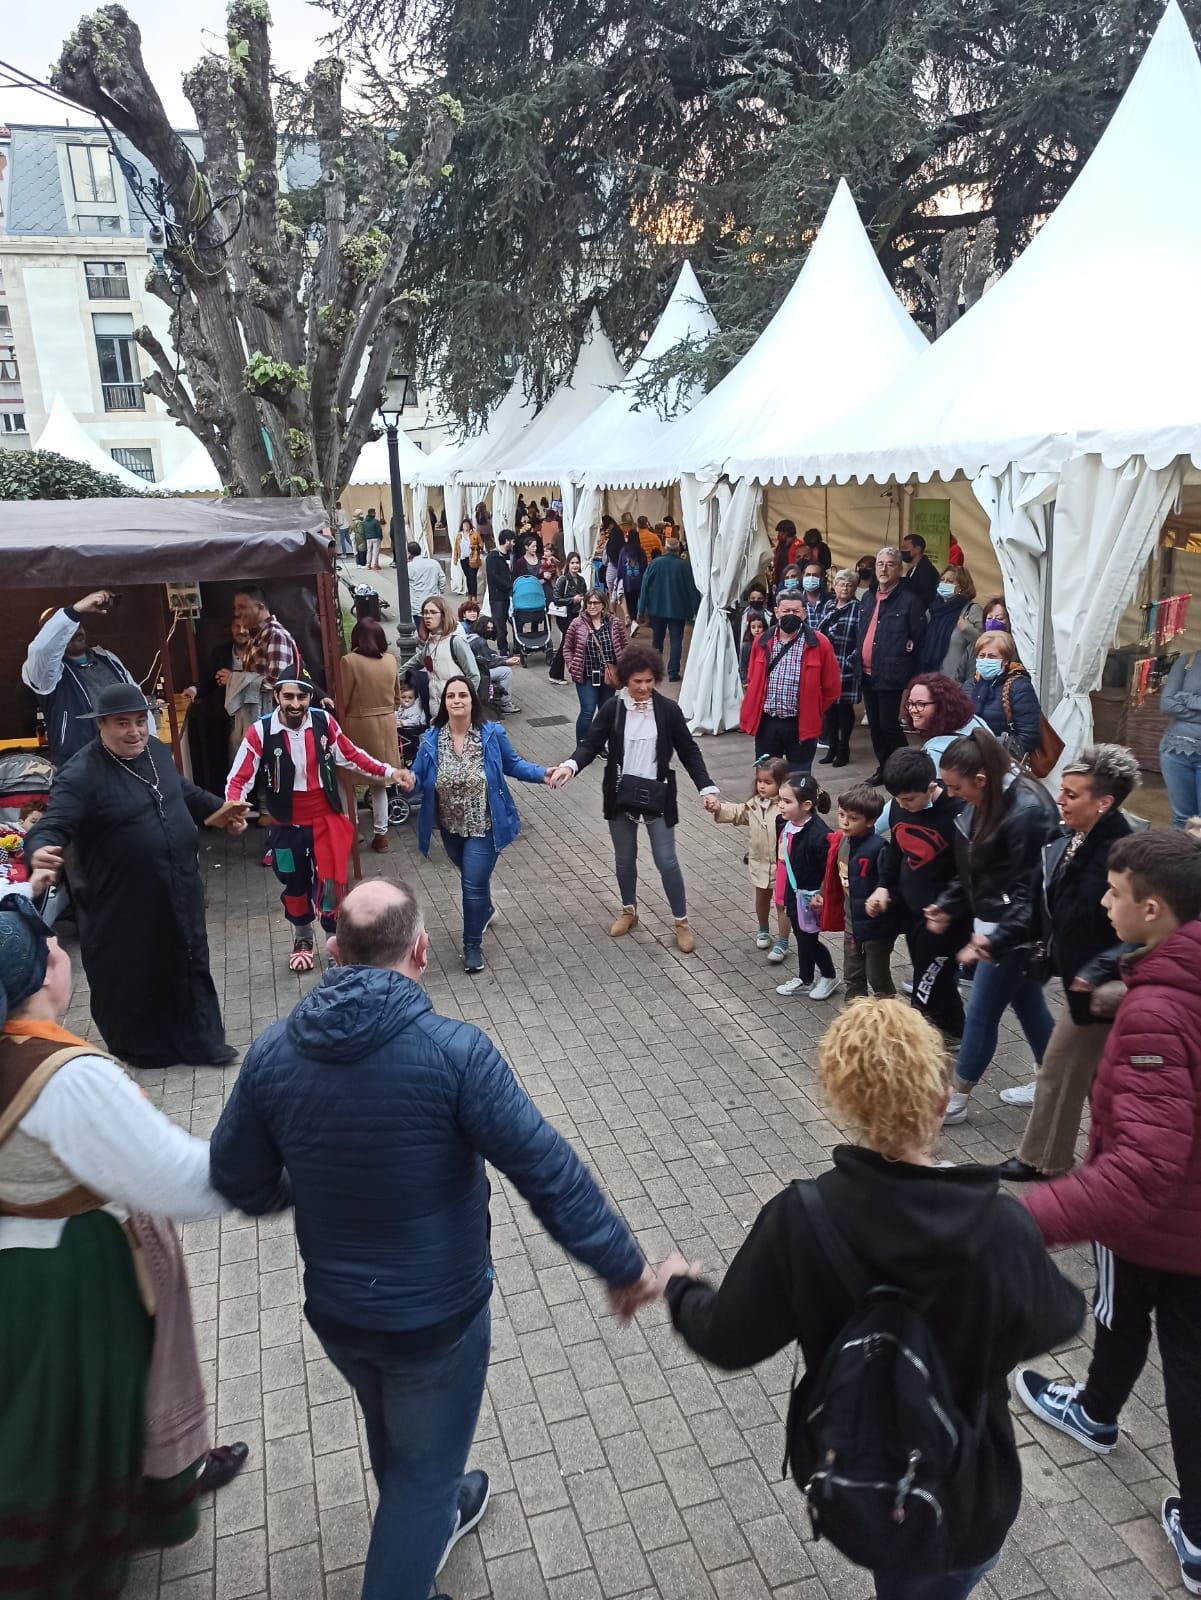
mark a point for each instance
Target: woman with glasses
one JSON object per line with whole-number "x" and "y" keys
{"x": 592, "y": 647}
{"x": 941, "y": 711}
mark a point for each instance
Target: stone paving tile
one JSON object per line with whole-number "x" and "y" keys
{"x": 622, "y": 1469}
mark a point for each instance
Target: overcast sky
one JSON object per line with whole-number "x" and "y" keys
{"x": 174, "y": 37}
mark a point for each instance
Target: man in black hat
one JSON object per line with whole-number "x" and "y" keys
{"x": 300, "y": 749}
{"x": 132, "y": 820}
{"x": 66, "y": 672}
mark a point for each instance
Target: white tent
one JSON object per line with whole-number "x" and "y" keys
{"x": 195, "y": 474}
{"x": 1071, "y": 384}
{"x": 602, "y": 451}
{"x": 67, "y": 437}
{"x": 840, "y": 332}
{"x": 372, "y": 465}
{"x": 596, "y": 373}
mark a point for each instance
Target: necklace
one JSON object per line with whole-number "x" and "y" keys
{"x": 154, "y": 786}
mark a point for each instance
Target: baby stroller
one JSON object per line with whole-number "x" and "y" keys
{"x": 531, "y": 625}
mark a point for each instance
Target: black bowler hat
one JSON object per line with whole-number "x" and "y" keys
{"x": 114, "y": 700}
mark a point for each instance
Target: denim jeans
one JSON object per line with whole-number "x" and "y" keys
{"x": 475, "y": 859}
{"x": 591, "y": 698}
{"x": 1182, "y": 780}
{"x": 345, "y": 542}
{"x": 624, "y": 835}
{"x": 998, "y": 984}
{"x": 502, "y": 679}
{"x": 940, "y": 1586}
{"x": 421, "y": 1412}
{"x": 673, "y": 627}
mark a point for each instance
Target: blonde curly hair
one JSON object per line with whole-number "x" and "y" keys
{"x": 883, "y": 1071}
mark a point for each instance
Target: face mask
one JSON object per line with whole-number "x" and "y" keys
{"x": 811, "y": 584}
{"x": 996, "y": 625}
{"x": 946, "y": 590}
{"x": 988, "y": 667}
{"x": 790, "y": 624}
{"x": 907, "y": 557}
{"x": 791, "y": 583}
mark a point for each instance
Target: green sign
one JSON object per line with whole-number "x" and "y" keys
{"x": 932, "y": 519}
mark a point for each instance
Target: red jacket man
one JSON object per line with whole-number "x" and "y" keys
{"x": 792, "y": 679}
{"x": 1138, "y": 1194}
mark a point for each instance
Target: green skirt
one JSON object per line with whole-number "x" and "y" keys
{"x": 75, "y": 1345}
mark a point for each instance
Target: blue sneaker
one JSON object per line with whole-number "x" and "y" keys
{"x": 1059, "y": 1404}
{"x": 473, "y": 958}
{"x": 1188, "y": 1554}
{"x": 474, "y": 1490}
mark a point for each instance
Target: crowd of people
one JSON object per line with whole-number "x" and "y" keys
{"x": 1004, "y": 897}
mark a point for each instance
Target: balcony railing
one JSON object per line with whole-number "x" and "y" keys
{"x": 123, "y": 397}
{"x": 108, "y": 288}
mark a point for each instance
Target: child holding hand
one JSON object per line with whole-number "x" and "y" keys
{"x": 871, "y": 930}
{"x": 758, "y": 814}
{"x": 805, "y": 865}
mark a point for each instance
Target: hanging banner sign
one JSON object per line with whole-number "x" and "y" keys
{"x": 932, "y": 519}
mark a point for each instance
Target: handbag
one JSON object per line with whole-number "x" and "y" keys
{"x": 1042, "y": 760}
{"x": 645, "y": 797}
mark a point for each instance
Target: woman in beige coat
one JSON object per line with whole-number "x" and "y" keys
{"x": 370, "y": 695}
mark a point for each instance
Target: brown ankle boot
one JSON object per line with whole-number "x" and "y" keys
{"x": 627, "y": 920}
{"x": 685, "y": 938}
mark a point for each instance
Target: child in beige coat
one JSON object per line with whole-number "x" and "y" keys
{"x": 758, "y": 814}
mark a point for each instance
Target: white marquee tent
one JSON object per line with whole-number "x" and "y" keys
{"x": 1069, "y": 391}
{"x": 67, "y": 437}
{"x": 195, "y": 474}
{"x": 840, "y": 331}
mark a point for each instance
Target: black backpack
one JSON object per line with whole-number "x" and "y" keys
{"x": 876, "y": 1442}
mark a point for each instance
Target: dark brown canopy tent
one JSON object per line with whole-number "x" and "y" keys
{"x": 52, "y": 552}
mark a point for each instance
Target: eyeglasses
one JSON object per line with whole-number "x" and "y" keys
{"x": 917, "y": 705}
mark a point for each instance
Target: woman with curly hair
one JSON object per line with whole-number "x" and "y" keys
{"x": 940, "y": 710}
{"x": 967, "y": 1253}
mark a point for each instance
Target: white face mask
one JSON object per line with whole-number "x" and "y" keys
{"x": 946, "y": 591}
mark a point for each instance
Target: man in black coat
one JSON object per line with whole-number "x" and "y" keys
{"x": 922, "y": 576}
{"x": 891, "y": 624}
{"x": 498, "y": 570}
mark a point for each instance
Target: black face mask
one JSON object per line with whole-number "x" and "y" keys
{"x": 790, "y": 624}
{"x": 907, "y": 557}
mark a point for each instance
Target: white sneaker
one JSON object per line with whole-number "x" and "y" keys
{"x": 1023, "y": 1095}
{"x": 956, "y": 1109}
{"x": 778, "y": 952}
{"x": 763, "y": 940}
{"x": 824, "y": 988}
{"x": 793, "y": 986}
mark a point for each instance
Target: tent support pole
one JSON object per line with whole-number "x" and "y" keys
{"x": 160, "y": 618}
{"x": 1046, "y": 633}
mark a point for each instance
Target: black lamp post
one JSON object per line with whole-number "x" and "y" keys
{"x": 399, "y": 391}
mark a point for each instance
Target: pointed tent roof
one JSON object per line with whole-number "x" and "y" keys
{"x": 606, "y": 446}
{"x": 479, "y": 458}
{"x": 372, "y": 465}
{"x": 596, "y": 373}
{"x": 842, "y": 320}
{"x": 437, "y": 468}
{"x": 64, "y": 434}
{"x": 1090, "y": 343}
{"x": 195, "y": 474}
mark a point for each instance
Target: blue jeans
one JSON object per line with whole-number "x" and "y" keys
{"x": 941, "y": 1586}
{"x": 345, "y": 543}
{"x": 421, "y": 1412}
{"x": 1182, "y": 780}
{"x": 998, "y": 984}
{"x": 475, "y": 859}
{"x": 673, "y": 627}
{"x": 592, "y": 697}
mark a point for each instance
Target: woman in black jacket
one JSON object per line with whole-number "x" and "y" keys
{"x": 1075, "y": 930}
{"x": 999, "y": 836}
{"x": 969, "y": 1254}
{"x": 640, "y": 730}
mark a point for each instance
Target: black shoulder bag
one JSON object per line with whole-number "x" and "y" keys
{"x": 640, "y": 797}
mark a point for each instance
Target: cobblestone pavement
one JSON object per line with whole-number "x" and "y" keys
{"x": 620, "y": 1465}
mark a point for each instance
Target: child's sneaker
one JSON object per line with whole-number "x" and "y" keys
{"x": 793, "y": 986}
{"x": 778, "y": 952}
{"x": 1188, "y": 1554}
{"x": 824, "y": 988}
{"x": 763, "y": 939}
{"x": 1058, "y": 1403}
{"x": 956, "y": 1111}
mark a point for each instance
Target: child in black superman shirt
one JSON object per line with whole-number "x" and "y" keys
{"x": 915, "y": 868}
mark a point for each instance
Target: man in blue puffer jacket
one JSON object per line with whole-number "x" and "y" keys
{"x": 383, "y": 1114}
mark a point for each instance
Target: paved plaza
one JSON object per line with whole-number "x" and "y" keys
{"x": 620, "y": 1465}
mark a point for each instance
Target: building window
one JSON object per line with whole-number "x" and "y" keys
{"x": 92, "y": 174}
{"x": 6, "y": 325}
{"x": 12, "y": 422}
{"x": 106, "y": 280}
{"x": 140, "y": 462}
{"x": 117, "y": 356}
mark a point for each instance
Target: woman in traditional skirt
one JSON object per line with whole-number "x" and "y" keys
{"x": 103, "y": 1432}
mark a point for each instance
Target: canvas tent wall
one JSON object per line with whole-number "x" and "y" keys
{"x": 1068, "y": 393}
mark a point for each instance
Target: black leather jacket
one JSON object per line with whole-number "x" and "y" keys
{"x": 1074, "y": 925}
{"x": 997, "y": 877}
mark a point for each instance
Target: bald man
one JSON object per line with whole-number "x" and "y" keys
{"x": 383, "y": 1114}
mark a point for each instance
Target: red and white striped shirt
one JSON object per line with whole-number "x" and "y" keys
{"x": 303, "y": 750}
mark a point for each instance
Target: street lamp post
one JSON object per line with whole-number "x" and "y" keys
{"x": 399, "y": 392}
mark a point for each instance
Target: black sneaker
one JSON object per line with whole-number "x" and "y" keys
{"x": 1058, "y": 1403}
{"x": 1187, "y": 1553}
{"x": 474, "y": 1491}
{"x": 473, "y": 958}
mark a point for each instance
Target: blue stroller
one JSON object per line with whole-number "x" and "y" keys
{"x": 531, "y": 624}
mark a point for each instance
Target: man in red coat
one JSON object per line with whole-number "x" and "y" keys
{"x": 1138, "y": 1194}
{"x": 792, "y": 678}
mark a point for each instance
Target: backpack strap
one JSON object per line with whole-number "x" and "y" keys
{"x": 834, "y": 1247}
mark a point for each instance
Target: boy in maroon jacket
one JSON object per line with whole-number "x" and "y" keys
{"x": 1138, "y": 1194}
